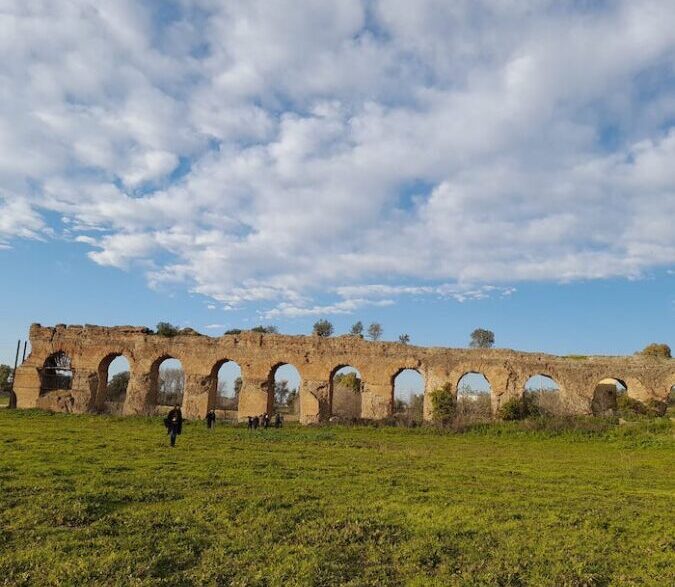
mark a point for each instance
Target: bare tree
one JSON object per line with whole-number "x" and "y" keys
{"x": 357, "y": 329}
{"x": 404, "y": 339}
{"x": 171, "y": 385}
{"x": 375, "y": 331}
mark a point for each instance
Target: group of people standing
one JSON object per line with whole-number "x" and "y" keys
{"x": 255, "y": 422}
{"x": 174, "y": 422}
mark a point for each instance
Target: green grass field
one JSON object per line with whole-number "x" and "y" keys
{"x": 92, "y": 500}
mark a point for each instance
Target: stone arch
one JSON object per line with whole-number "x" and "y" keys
{"x": 473, "y": 382}
{"x": 226, "y": 402}
{"x": 104, "y": 380}
{"x": 163, "y": 390}
{"x": 291, "y": 405}
{"x": 606, "y": 394}
{"x": 408, "y": 387}
{"x": 56, "y": 373}
{"x": 344, "y": 395}
{"x": 474, "y": 394}
{"x": 546, "y": 391}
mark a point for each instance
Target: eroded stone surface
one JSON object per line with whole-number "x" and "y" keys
{"x": 91, "y": 348}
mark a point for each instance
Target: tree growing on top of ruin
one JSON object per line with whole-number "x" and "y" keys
{"x": 357, "y": 329}
{"x": 375, "y": 331}
{"x": 167, "y": 329}
{"x": 265, "y": 329}
{"x": 404, "y": 339}
{"x": 482, "y": 339}
{"x": 322, "y": 328}
{"x": 659, "y": 350}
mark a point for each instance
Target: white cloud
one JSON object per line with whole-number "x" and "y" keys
{"x": 348, "y": 306}
{"x": 18, "y": 219}
{"x": 328, "y": 146}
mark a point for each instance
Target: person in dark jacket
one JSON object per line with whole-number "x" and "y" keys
{"x": 278, "y": 422}
{"x": 250, "y": 422}
{"x": 174, "y": 423}
{"x": 211, "y": 419}
{"x": 266, "y": 420}
{"x": 256, "y": 422}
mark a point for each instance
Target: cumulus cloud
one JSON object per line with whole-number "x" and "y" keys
{"x": 269, "y": 153}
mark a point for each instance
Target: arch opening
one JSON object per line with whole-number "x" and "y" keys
{"x": 345, "y": 393}
{"x": 227, "y": 384}
{"x": 408, "y": 396}
{"x": 170, "y": 382}
{"x": 545, "y": 393}
{"x": 113, "y": 376}
{"x": 474, "y": 397}
{"x": 284, "y": 396}
{"x": 608, "y": 394}
{"x": 56, "y": 373}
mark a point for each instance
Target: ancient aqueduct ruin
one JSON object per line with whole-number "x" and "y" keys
{"x": 90, "y": 350}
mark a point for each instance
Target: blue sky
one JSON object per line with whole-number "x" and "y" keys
{"x": 52, "y": 282}
{"x": 461, "y": 165}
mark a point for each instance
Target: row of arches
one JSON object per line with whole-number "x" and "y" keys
{"x": 474, "y": 391}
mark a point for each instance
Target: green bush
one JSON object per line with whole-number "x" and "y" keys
{"x": 265, "y": 329}
{"x": 443, "y": 405}
{"x": 628, "y": 406}
{"x": 233, "y": 331}
{"x": 167, "y": 329}
{"x": 519, "y": 408}
{"x": 661, "y": 351}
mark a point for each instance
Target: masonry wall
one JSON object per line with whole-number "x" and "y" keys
{"x": 91, "y": 348}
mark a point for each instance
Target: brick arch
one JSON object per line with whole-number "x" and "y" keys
{"x": 472, "y": 372}
{"x": 601, "y": 395}
{"x": 417, "y": 365}
{"x": 212, "y": 380}
{"x": 153, "y": 391}
{"x": 271, "y": 380}
{"x": 409, "y": 366}
{"x": 417, "y": 368}
{"x": 53, "y": 371}
{"x": 555, "y": 404}
{"x": 555, "y": 377}
{"x": 350, "y": 406}
{"x": 102, "y": 374}
{"x": 342, "y": 365}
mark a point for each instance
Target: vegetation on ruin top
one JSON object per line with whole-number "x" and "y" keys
{"x": 92, "y": 500}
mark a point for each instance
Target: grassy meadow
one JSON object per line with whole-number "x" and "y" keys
{"x": 94, "y": 500}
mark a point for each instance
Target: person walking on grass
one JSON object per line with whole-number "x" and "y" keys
{"x": 211, "y": 419}
{"x": 278, "y": 422}
{"x": 174, "y": 423}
